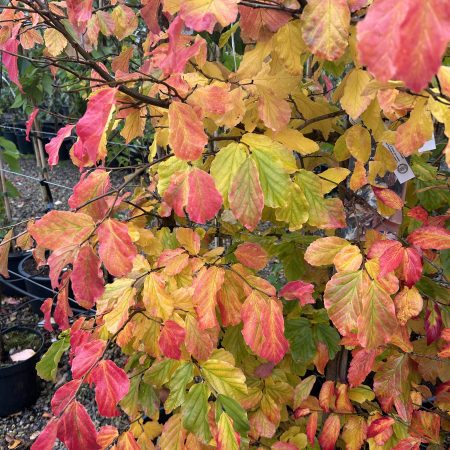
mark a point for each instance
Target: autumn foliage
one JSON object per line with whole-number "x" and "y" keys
{"x": 277, "y": 129}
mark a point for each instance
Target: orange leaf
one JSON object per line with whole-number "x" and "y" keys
{"x": 360, "y": 366}
{"x": 4, "y": 253}
{"x": 206, "y": 285}
{"x": 246, "y": 196}
{"x": 199, "y": 343}
{"x": 327, "y": 396}
{"x": 388, "y": 197}
{"x": 323, "y": 250}
{"x": 264, "y": 326}
{"x": 251, "y": 255}
{"x": 430, "y": 237}
{"x": 202, "y": 15}
{"x": 116, "y": 249}
{"x": 106, "y": 436}
{"x": 59, "y": 229}
{"x": 408, "y": 304}
{"x": 186, "y": 134}
{"x": 326, "y": 26}
{"x": 330, "y": 432}
{"x": 204, "y": 200}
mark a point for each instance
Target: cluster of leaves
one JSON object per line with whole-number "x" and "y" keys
{"x": 280, "y": 153}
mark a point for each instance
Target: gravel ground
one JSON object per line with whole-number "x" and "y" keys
{"x": 19, "y": 430}
{"x": 31, "y": 203}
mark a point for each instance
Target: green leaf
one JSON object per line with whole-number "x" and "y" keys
{"x": 274, "y": 163}
{"x": 329, "y": 336}
{"x": 235, "y": 411}
{"x": 226, "y": 36}
{"x": 299, "y": 334}
{"x": 48, "y": 365}
{"x": 195, "y": 412}
{"x": 160, "y": 372}
{"x": 177, "y": 386}
{"x": 225, "y": 166}
{"x": 224, "y": 378}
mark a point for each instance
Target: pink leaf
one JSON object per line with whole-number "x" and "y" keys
{"x": 298, "y": 290}
{"x": 29, "y": 123}
{"x": 52, "y": 148}
{"x": 64, "y": 395}
{"x": 86, "y": 356}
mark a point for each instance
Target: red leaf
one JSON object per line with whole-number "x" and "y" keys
{"x": 46, "y": 308}
{"x": 9, "y": 60}
{"x": 171, "y": 338}
{"x": 64, "y": 395}
{"x": 430, "y": 237}
{"x": 79, "y": 12}
{"x": 111, "y": 385}
{"x": 116, "y": 249}
{"x": 379, "y": 426}
{"x": 330, "y": 432}
{"x": 390, "y": 254}
{"x": 411, "y": 266}
{"x": 204, "y": 200}
{"x": 416, "y": 32}
{"x": 90, "y": 186}
{"x": 87, "y": 277}
{"x": 433, "y": 323}
{"x": 264, "y": 326}
{"x": 251, "y": 255}
{"x": 62, "y": 310}
{"x": 106, "y": 436}
{"x": 91, "y": 145}
{"x": 86, "y": 356}
{"x": 408, "y": 443}
{"x": 311, "y": 427}
{"x": 360, "y": 366}
{"x": 52, "y": 148}
{"x": 418, "y": 213}
{"x": 47, "y": 437}
{"x": 426, "y": 426}
{"x": 388, "y": 197}
{"x": 298, "y": 290}
{"x": 186, "y": 134}
{"x": 76, "y": 428}
{"x": 29, "y": 123}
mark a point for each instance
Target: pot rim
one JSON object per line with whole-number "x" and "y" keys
{"x": 25, "y": 274}
{"x": 7, "y": 371}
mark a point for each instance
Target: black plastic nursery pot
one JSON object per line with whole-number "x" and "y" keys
{"x": 25, "y": 147}
{"x": 8, "y": 285}
{"x": 40, "y": 287}
{"x": 36, "y": 285}
{"x": 19, "y": 385}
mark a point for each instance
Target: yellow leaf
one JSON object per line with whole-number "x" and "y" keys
{"x": 289, "y": 46}
{"x": 323, "y": 250}
{"x": 332, "y": 177}
{"x": 294, "y": 140}
{"x": 55, "y": 42}
{"x": 358, "y": 143}
{"x": 296, "y": 211}
{"x": 354, "y": 101}
{"x": 326, "y": 27}
{"x": 341, "y": 152}
{"x": 134, "y": 126}
{"x": 157, "y": 300}
{"x": 358, "y": 178}
{"x": 115, "y": 319}
{"x": 361, "y": 394}
{"x": 348, "y": 259}
{"x": 225, "y": 166}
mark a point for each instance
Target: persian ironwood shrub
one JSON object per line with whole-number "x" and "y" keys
{"x": 301, "y": 138}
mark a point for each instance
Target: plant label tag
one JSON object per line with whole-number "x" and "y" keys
{"x": 403, "y": 170}
{"x": 429, "y": 145}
